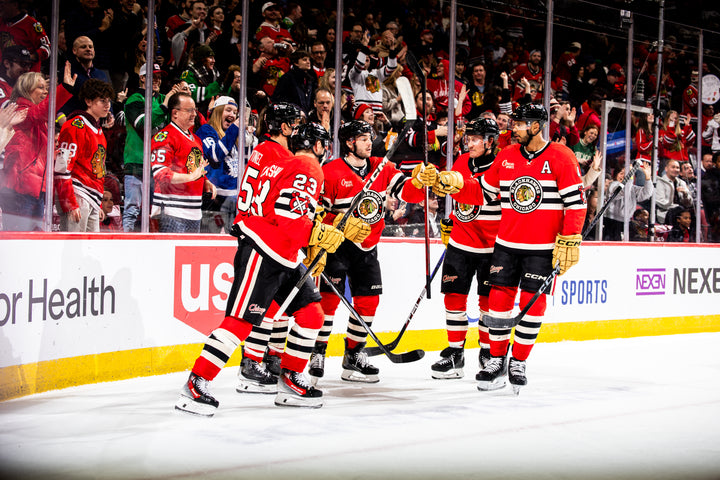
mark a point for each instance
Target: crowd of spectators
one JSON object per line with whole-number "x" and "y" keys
{"x": 499, "y": 64}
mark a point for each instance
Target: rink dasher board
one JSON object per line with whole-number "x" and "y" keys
{"x": 86, "y": 308}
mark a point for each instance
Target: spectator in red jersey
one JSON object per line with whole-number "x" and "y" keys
{"x": 25, "y": 31}
{"x": 590, "y": 111}
{"x": 16, "y": 60}
{"x": 270, "y": 65}
{"x": 80, "y": 167}
{"x": 215, "y": 20}
{"x": 564, "y": 65}
{"x": 178, "y": 168}
{"x": 532, "y": 70}
{"x": 318, "y": 55}
{"x": 270, "y": 27}
{"x": 676, "y": 136}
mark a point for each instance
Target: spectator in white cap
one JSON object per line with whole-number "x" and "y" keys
{"x": 270, "y": 27}
{"x": 219, "y": 138}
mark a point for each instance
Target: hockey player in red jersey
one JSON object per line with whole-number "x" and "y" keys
{"x": 178, "y": 168}
{"x": 80, "y": 165}
{"x": 543, "y": 210}
{"x": 469, "y": 250}
{"x": 357, "y": 261}
{"x": 281, "y": 220}
{"x": 280, "y": 121}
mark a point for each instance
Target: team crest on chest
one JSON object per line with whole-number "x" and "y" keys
{"x": 526, "y": 194}
{"x": 98, "y": 161}
{"x": 193, "y": 159}
{"x": 371, "y": 207}
{"x": 465, "y": 212}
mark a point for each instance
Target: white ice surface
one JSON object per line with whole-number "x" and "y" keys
{"x": 642, "y": 408}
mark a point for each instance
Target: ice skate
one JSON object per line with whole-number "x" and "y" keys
{"x": 492, "y": 376}
{"x": 483, "y": 357}
{"x": 356, "y": 367}
{"x": 516, "y": 374}
{"x": 294, "y": 390}
{"x": 450, "y": 365}
{"x": 253, "y": 377}
{"x": 272, "y": 363}
{"x": 316, "y": 366}
{"x": 195, "y": 398}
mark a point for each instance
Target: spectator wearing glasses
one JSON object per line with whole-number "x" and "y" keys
{"x": 178, "y": 168}
{"x": 318, "y": 55}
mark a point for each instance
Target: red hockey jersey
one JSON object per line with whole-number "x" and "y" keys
{"x": 175, "y": 151}
{"x": 474, "y": 226}
{"x": 267, "y": 152}
{"x": 80, "y": 169}
{"x": 287, "y": 191}
{"x": 342, "y": 184}
{"x": 541, "y": 195}
{"x": 29, "y": 33}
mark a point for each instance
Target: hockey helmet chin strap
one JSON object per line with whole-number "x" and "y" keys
{"x": 529, "y": 132}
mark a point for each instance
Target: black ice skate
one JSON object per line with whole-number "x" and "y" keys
{"x": 195, "y": 398}
{"x": 516, "y": 374}
{"x": 356, "y": 367}
{"x": 294, "y": 390}
{"x": 483, "y": 357}
{"x": 492, "y": 376}
{"x": 316, "y": 366}
{"x": 272, "y": 363}
{"x": 253, "y": 377}
{"x": 450, "y": 365}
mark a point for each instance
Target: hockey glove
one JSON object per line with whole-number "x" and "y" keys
{"x": 355, "y": 229}
{"x": 424, "y": 176}
{"x": 326, "y": 236}
{"x": 567, "y": 251}
{"x": 448, "y": 183}
{"x": 320, "y": 266}
{"x": 446, "y": 226}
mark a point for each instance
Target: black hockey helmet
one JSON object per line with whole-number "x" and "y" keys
{"x": 352, "y": 130}
{"x": 282, "y": 112}
{"x": 306, "y": 135}
{"x": 485, "y": 127}
{"x": 530, "y": 112}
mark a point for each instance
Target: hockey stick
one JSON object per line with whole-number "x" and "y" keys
{"x": 407, "y": 357}
{"x": 341, "y": 225}
{"x": 491, "y": 321}
{"x": 417, "y": 71}
{"x": 372, "y": 351}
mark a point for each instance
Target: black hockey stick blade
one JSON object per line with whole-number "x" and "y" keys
{"x": 406, "y": 357}
{"x": 372, "y": 351}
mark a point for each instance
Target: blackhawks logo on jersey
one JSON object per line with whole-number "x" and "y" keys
{"x": 526, "y": 194}
{"x": 371, "y": 208}
{"x": 78, "y": 123}
{"x": 372, "y": 83}
{"x": 193, "y": 159}
{"x": 160, "y": 136}
{"x": 98, "y": 162}
{"x": 465, "y": 212}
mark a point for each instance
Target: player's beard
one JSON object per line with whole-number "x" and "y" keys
{"x": 524, "y": 140}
